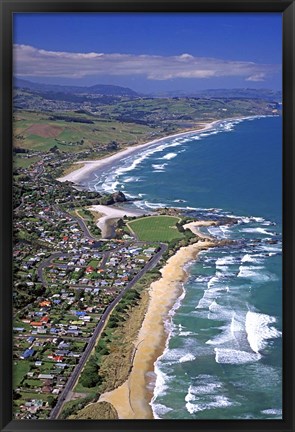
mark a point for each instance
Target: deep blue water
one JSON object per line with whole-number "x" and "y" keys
{"x": 223, "y": 355}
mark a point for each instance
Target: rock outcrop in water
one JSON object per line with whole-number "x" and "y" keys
{"x": 119, "y": 197}
{"x": 109, "y": 199}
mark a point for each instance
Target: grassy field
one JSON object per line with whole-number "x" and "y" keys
{"x": 127, "y": 122}
{"x": 81, "y": 213}
{"x": 86, "y": 390}
{"x": 19, "y": 323}
{"x": 20, "y": 370}
{"x": 37, "y": 131}
{"x": 20, "y": 161}
{"x": 93, "y": 263}
{"x": 156, "y": 228}
{"x": 31, "y": 395}
{"x": 34, "y": 382}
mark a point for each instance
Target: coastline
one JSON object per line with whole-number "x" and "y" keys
{"x": 194, "y": 227}
{"x": 132, "y": 399}
{"x": 77, "y": 175}
{"x": 89, "y": 166}
{"x": 111, "y": 213}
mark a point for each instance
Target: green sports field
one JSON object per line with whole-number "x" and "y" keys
{"x": 156, "y": 228}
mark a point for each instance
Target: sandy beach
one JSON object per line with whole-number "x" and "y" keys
{"x": 131, "y": 400}
{"x": 90, "y": 166}
{"x": 110, "y": 213}
{"x": 194, "y": 227}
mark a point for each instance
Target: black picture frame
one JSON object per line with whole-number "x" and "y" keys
{"x": 287, "y": 8}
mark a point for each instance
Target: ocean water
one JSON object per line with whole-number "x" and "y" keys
{"x": 223, "y": 357}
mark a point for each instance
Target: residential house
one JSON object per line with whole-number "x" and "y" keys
{"x": 46, "y": 376}
{"x": 27, "y": 353}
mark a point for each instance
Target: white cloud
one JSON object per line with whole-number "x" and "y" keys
{"x": 30, "y": 61}
{"x": 256, "y": 77}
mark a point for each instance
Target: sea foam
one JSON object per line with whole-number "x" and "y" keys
{"x": 258, "y": 330}
{"x": 169, "y": 156}
{"x": 217, "y": 402}
{"x": 272, "y": 411}
{"x": 232, "y": 356}
{"x": 255, "y": 273}
{"x": 206, "y": 395}
{"x": 159, "y": 410}
{"x": 253, "y": 258}
{"x": 258, "y": 230}
{"x": 187, "y": 357}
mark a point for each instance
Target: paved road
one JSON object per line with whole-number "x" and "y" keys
{"x": 47, "y": 263}
{"x": 106, "y": 257}
{"x": 93, "y": 339}
{"x": 80, "y": 221}
{"x": 78, "y": 369}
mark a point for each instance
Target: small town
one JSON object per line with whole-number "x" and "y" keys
{"x": 145, "y": 157}
{"x": 67, "y": 280}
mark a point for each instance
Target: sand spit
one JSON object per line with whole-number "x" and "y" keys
{"x": 132, "y": 399}
{"x": 194, "y": 227}
{"x": 110, "y": 214}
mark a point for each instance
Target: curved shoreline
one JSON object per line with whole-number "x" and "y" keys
{"x": 111, "y": 213}
{"x": 90, "y": 166}
{"x": 79, "y": 174}
{"x": 132, "y": 399}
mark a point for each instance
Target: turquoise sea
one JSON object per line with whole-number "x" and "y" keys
{"x": 223, "y": 357}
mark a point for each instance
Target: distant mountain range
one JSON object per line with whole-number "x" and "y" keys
{"x": 98, "y": 89}
{"x": 118, "y": 91}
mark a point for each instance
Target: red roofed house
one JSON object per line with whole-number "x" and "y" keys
{"x": 46, "y": 389}
{"x": 55, "y": 358}
{"x": 36, "y": 323}
{"x": 89, "y": 269}
{"x": 45, "y": 303}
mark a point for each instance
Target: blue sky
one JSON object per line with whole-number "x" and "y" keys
{"x": 151, "y": 52}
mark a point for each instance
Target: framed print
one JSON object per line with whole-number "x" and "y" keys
{"x": 147, "y": 215}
